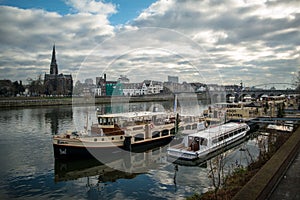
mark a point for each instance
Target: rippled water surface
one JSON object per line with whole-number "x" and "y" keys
{"x": 29, "y": 170}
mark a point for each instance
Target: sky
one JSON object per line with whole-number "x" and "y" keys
{"x": 208, "y": 41}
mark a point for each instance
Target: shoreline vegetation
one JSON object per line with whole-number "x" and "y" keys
{"x": 56, "y": 101}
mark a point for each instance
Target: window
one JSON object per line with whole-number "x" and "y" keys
{"x": 165, "y": 132}
{"x": 194, "y": 126}
{"x": 155, "y": 134}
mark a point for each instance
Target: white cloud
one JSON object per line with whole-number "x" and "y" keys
{"x": 236, "y": 34}
{"x": 92, "y": 6}
{"x": 27, "y": 36}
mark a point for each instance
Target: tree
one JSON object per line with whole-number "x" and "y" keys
{"x": 36, "y": 87}
{"x": 297, "y": 81}
{"x": 78, "y": 88}
{"x": 216, "y": 172}
{"x": 18, "y": 88}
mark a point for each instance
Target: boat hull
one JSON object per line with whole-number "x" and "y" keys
{"x": 62, "y": 151}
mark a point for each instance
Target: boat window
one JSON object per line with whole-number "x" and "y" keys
{"x": 172, "y": 132}
{"x": 137, "y": 128}
{"x": 194, "y": 126}
{"x": 165, "y": 132}
{"x": 112, "y": 138}
{"x": 102, "y": 139}
{"x": 220, "y": 138}
{"x": 95, "y": 139}
{"x": 214, "y": 140}
{"x": 203, "y": 141}
{"x": 103, "y": 121}
{"x": 110, "y": 121}
{"x": 190, "y": 140}
{"x": 155, "y": 134}
{"x": 226, "y": 136}
{"x": 139, "y": 137}
{"x": 230, "y": 134}
{"x": 121, "y": 137}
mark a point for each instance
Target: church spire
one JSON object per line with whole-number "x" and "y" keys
{"x": 53, "y": 65}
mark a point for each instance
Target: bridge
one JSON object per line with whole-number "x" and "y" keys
{"x": 222, "y": 94}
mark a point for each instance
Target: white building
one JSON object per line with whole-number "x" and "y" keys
{"x": 144, "y": 88}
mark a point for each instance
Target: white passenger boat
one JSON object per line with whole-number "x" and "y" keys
{"x": 202, "y": 143}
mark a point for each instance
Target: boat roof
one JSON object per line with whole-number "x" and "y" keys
{"x": 133, "y": 114}
{"x": 217, "y": 130}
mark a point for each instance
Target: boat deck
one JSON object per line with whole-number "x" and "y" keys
{"x": 181, "y": 147}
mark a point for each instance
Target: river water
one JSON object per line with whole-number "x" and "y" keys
{"x": 29, "y": 171}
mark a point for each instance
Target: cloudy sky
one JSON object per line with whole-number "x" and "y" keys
{"x": 209, "y": 41}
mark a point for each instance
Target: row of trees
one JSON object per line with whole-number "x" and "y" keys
{"x": 33, "y": 88}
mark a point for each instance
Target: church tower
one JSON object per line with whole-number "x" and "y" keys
{"x": 53, "y": 65}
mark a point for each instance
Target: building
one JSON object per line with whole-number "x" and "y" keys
{"x": 107, "y": 88}
{"x": 57, "y": 84}
{"x": 173, "y": 79}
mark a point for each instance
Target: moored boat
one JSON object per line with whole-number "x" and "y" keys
{"x": 114, "y": 131}
{"x": 202, "y": 143}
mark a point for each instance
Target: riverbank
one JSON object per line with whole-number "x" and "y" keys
{"x": 263, "y": 183}
{"x": 7, "y": 102}
{"x": 259, "y": 179}
{"x": 76, "y": 101}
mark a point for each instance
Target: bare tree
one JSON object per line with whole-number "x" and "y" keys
{"x": 216, "y": 172}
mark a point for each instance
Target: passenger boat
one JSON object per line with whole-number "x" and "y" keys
{"x": 205, "y": 142}
{"x": 113, "y": 131}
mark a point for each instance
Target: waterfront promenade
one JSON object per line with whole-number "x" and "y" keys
{"x": 279, "y": 178}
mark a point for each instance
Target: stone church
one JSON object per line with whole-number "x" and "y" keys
{"x": 57, "y": 84}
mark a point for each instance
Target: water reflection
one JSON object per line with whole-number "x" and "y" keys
{"x": 120, "y": 164}
{"x": 57, "y": 114}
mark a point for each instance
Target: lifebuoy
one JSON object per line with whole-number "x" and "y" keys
{"x": 151, "y": 126}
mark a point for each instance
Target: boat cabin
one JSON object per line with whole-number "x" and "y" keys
{"x": 212, "y": 136}
{"x": 195, "y": 143}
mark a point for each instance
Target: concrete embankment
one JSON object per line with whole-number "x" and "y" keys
{"x": 54, "y": 101}
{"x": 24, "y": 102}
{"x": 266, "y": 179}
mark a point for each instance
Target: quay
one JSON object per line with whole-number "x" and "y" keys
{"x": 76, "y": 101}
{"x": 279, "y": 177}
